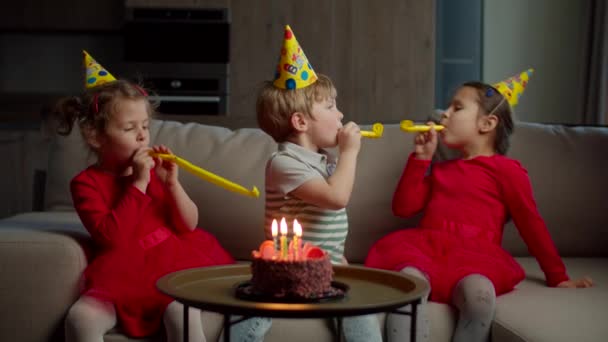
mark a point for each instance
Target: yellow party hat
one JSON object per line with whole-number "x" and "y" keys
{"x": 294, "y": 70}
{"x": 95, "y": 73}
{"x": 513, "y": 87}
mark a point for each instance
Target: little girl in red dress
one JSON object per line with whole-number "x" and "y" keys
{"x": 457, "y": 247}
{"x": 139, "y": 216}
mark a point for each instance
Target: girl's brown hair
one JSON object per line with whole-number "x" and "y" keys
{"x": 493, "y": 102}
{"x": 92, "y": 110}
{"x": 275, "y": 106}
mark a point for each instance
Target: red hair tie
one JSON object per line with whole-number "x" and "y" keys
{"x": 141, "y": 90}
{"x": 96, "y": 95}
{"x": 95, "y": 105}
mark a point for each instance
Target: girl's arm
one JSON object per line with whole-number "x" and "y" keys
{"x": 109, "y": 226}
{"x": 522, "y": 207}
{"x": 183, "y": 211}
{"x": 413, "y": 189}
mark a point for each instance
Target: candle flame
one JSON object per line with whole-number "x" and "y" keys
{"x": 283, "y": 226}
{"x": 274, "y": 228}
{"x": 297, "y": 228}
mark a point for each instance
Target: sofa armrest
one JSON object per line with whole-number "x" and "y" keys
{"x": 40, "y": 274}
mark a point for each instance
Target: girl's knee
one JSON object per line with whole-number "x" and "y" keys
{"x": 416, "y": 272}
{"x": 174, "y": 311}
{"x": 90, "y": 309}
{"x": 475, "y": 295}
{"x": 90, "y": 317}
{"x": 174, "y": 314}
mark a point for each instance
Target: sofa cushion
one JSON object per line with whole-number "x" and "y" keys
{"x": 379, "y": 167}
{"x": 534, "y": 312}
{"x": 41, "y": 275}
{"x": 567, "y": 168}
{"x": 67, "y": 156}
{"x": 240, "y": 156}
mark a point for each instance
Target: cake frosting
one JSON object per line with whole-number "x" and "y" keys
{"x": 308, "y": 276}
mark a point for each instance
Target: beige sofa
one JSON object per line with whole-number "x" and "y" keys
{"x": 43, "y": 253}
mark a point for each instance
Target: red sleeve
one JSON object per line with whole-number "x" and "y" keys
{"x": 413, "y": 189}
{"x": 522, "y": 207}
{"x": 109, "y": 226}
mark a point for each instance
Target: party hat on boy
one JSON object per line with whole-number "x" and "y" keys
{"x": 293, "y": 70}
{"x": 514, "y": 86}
{"x": 95, "y": 73}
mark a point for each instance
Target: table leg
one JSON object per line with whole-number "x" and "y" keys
{"x": 414, "y": 317}
{"x": 227, "y": 325}
{"x": 186, "y": 322}
{"x": 413, "y": 322}
{"x": 339, "y": 332}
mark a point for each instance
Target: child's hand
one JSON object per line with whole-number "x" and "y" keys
{"x": 426, "y": 143}
{"x": 166, "y": 170}
{"x": 577, "y": 283}
{"x": 349, "y": 138}
{"x": 142, "y": 163}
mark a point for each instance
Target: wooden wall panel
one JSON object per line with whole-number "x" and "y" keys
{"x": 380, "y": 54}
{"x": 257, "y": 37}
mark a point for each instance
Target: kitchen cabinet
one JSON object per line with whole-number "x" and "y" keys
{"x": 60, "y": 15}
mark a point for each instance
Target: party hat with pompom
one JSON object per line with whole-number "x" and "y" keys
{"x": 293, "y": 71}
{"x": 514, "y": 86}
{"x": 95, "y": 73}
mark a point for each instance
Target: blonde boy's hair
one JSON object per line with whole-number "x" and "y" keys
{"x": 275, "y": 106}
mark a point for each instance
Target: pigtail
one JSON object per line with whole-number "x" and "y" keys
{"x": 67, "y": 111}
{"x": 91, "y": 110}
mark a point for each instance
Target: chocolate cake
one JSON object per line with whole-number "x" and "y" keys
{"x": 308, "y": 278}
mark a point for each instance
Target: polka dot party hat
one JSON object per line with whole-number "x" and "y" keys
{"x": 95, "y": 73}
{"x": 514, "y": 86}
{"x": 293, "y": 70}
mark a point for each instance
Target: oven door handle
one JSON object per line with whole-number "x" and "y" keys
{"x": 212, "y": 99}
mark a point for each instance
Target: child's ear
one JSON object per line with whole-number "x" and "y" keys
{"x": 488, "y": 123}
{"x": 299, "y": 121}
{"x": 92, "y": 138}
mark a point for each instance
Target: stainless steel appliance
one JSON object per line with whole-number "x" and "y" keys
{"x": 183, "y": 55}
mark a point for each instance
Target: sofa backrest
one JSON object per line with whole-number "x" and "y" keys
{"x": 568, "y": 168}
{"x": 565, "y": 166}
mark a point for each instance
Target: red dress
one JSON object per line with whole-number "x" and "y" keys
{"x": 135, "y": 245}
{"x": 466, "y": 203}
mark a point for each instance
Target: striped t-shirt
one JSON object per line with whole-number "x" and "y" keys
{"x": 286, "y": 170}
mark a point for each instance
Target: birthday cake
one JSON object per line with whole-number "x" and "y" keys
{"x": 306, "y": 277}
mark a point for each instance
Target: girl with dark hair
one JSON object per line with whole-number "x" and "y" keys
{"x": 466, "y": 201}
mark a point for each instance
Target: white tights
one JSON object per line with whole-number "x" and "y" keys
{"x": 90, "y": 319}
{"x": 474, "y": 297}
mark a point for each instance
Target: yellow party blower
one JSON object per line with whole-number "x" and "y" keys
{"x": 208, "y": 176}
{"x": 376, "y": 132}
{"x": 410, "y": 127}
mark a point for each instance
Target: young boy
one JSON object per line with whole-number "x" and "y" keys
{"x": 303, "y": 180}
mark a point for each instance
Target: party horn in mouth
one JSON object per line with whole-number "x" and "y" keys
{"x": 409, "y": 126}
{"x": 208, "y": 176}
{"x": 376, "y": 132}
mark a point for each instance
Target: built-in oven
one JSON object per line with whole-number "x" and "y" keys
{"x": 182, "y": 54}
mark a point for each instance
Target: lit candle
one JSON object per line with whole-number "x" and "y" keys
{"x": 297, "y": 231}
{"x": 283, "y": 239}
{"x": 274, "y": 229}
